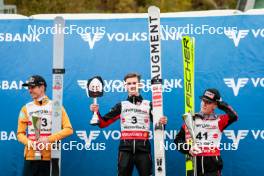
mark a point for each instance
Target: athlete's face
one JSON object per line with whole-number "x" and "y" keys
{"x": 36, "y": 91}
{"x": 207, "y": 107}
{"x": 132, "y": 86}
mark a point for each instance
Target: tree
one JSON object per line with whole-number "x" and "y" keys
{"x": 30, "y": 7}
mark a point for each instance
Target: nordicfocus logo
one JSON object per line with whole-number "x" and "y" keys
{"x": 118, "y": 85}
{"x": 19, "y": 37}
{"x": 236, "y": 36}
{"x": 11, "y": 85}
{"x": 242, "y": 82}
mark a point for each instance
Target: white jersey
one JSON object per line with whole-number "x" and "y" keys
{"x": 207, "y": 135}
{"x": 135, "y": 120}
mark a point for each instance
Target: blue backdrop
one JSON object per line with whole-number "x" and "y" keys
{"x": 229, "y": 56}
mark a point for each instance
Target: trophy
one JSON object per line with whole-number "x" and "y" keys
{"x": 188, "y": 119}
{"x": 95, "y": 87}
{"x": 37, "y": 128}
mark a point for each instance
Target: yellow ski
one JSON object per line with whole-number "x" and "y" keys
{"x": 188, "y": 64}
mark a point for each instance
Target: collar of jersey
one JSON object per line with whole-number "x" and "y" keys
{"x": 206, "y": 116}
{"x": 44, "y": 101}
{"x": 135, "y": 99}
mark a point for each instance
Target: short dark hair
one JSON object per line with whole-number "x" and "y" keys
{"x": 132, "y": 75}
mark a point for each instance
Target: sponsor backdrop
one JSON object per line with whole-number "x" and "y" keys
{"x": 229, "y": 56}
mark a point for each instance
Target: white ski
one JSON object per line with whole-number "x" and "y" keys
{"x": 156, "y": 85}
{"x": 57, "y": 92}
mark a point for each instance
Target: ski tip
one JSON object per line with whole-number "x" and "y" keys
{"x": 152, "y": 9}
{"x": 186, "y": 37}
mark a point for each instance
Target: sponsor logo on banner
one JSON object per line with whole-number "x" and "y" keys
{"x": 11, "y": 85}
{"x": 242, "y": 82}
{"x": 166, "y": 33}
{"x": 258, "y": 32}
{"x": 118, "y": 85}
{"x": 92, "y": 38}
{"x": 7, "y": 136}
{"x": 19, "y": 37}
{"x": 88, "y": 140}
{"x": 115, "y": 135}
{"x": 91, "y": 138}
{"x": 170, "y": 135}
{"x": 94, "y": 34}
{"x": 241, "y": 134}
{"x": 236, "y": 36}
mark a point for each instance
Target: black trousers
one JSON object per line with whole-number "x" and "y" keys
{"x": 209, "y": 165}
{"x": 127, "y": 161}
{"x": 36, "y": 168}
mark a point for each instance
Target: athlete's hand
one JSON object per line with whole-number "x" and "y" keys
{"x": 195, "y": 150}
{"x": 163, "y": 120}
{"x": 94, "y": 107}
